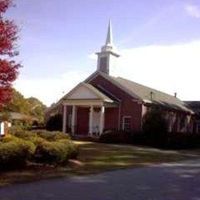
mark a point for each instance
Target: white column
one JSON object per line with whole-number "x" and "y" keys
{"x": 102, "y": 116}
{"x": 91, "y": 120}
{"x": 64, "y": 118}
{"x": 73, "y": 119}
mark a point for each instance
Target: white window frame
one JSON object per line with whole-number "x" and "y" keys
{"x": 123, "y": 122}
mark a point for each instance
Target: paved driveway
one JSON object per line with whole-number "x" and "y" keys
{"x": 178, "y": 181}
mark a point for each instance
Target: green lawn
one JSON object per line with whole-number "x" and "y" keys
{"x": 95, "y": 158}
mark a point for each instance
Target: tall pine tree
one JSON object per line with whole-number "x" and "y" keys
{"x": 8, "y": 66}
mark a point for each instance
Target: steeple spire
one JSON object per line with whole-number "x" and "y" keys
{"x": 109, "y": 39}
{"x": 107, "y": 54}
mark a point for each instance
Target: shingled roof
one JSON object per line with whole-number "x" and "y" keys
{"x": 194, "y": 105}
{"x": 146, "y": 94}
{"x": 150, "y": 95}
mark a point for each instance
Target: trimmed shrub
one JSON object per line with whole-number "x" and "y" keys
{"x": 15, "y": 153}
{"x": 72, "y": 149}
{"x": 47, "y": 135}
{"x": 15, "y": 129}
{"x": 37, "y": 140}
{"x": 40, "y": 146}
{"x": 26, "y": 135}
{"x": 7, "y": 138}
{"x": 55, "y": 152}
{"x": 52, "y": 135}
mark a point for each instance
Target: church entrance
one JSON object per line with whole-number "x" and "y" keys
{"x": 82, "y": 121}
{"x": 96, "y": 122}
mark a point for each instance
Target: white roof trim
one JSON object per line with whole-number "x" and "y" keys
{"x": 93, "y": 90}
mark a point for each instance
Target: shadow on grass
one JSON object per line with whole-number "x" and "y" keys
{"x": 95, "y": 158}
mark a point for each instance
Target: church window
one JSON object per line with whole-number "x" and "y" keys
{"x": 127, "y": 123}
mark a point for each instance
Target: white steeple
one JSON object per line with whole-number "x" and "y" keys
{"x": 109, "y": 35}
{"x": 107, "y": 53}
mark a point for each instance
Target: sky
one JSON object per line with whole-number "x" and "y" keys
{"x": 158, "y": 40}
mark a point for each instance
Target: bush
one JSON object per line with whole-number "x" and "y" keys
{"x": 15, "y": 152}
{"x": 15, "y": 129}
{"x": 52, "y": 135}
{"x": 115, "y": 136}
{"x": 7, "y": 138}
{"x": 155, "y": 126}
{"x": 54, "y": 123}
{"x": 26, "y": 135}
{"x": 37, "y": 140}
{"x": 181, "y": 141}
{"x": 72, "y": 149}
{"x": 40, "y": 146}
{"x": 55, "y": 152}
{"x": 47, "y": 135}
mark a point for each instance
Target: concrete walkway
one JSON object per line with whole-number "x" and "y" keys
{"x": 177, "y": 181}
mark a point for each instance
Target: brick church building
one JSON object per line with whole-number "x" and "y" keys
{"x": 103, "y": 102}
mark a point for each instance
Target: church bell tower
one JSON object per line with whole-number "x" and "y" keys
{"x": 107, "y": 55}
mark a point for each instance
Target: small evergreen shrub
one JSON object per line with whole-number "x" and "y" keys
{"x": 23, "y": 134}
{"x": 15, "y": 129}
{"x": 7, "y": 138}
{"x": 55, "y": 152}
{"x": 52, "y": 135}
{"x": 36, "y": 140}
{"x": 15, "y": 152}
{"x": 41, "y": 146}
{"x": 72, "y": 148}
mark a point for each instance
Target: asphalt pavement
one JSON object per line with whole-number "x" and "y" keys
{"x": 175, "y": 181}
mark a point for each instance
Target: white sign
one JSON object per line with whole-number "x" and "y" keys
{"x": 2, "y": 128}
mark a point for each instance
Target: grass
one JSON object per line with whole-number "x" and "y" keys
{"x": 96, "y": 158}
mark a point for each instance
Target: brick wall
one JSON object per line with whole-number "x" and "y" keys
{"x": 128, "y": 106}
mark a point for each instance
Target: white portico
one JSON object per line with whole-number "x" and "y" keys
{"x": 85, "y": 107}
{"x": 88, "y": 103}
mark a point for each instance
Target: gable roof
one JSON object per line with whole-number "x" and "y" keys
{"x": 94, "y": 93}
{"x": 97, "y": 92}
{"x": 112, "y": 80}
{"x": 144, "y": 93}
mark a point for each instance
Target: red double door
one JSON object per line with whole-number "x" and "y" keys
{"x": 82, "y": 121}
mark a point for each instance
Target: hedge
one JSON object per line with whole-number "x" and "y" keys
{"x": 167, "y": 141}
{"x": 14, "y": 153}
{"x": 115, "y": 136}
{"x": 52, "y": 135}
{"x": 55, "y": 152}
{"x": 41, "y": 146}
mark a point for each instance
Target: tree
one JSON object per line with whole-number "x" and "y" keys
{"x": 8, "y": 66}
{"x": 17, "y": 103}
{"x": 54, "y": 123}
{"x": 29, "y": 106}
{"x": 155, "y": 125}
{"x": 36, "y": 108}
